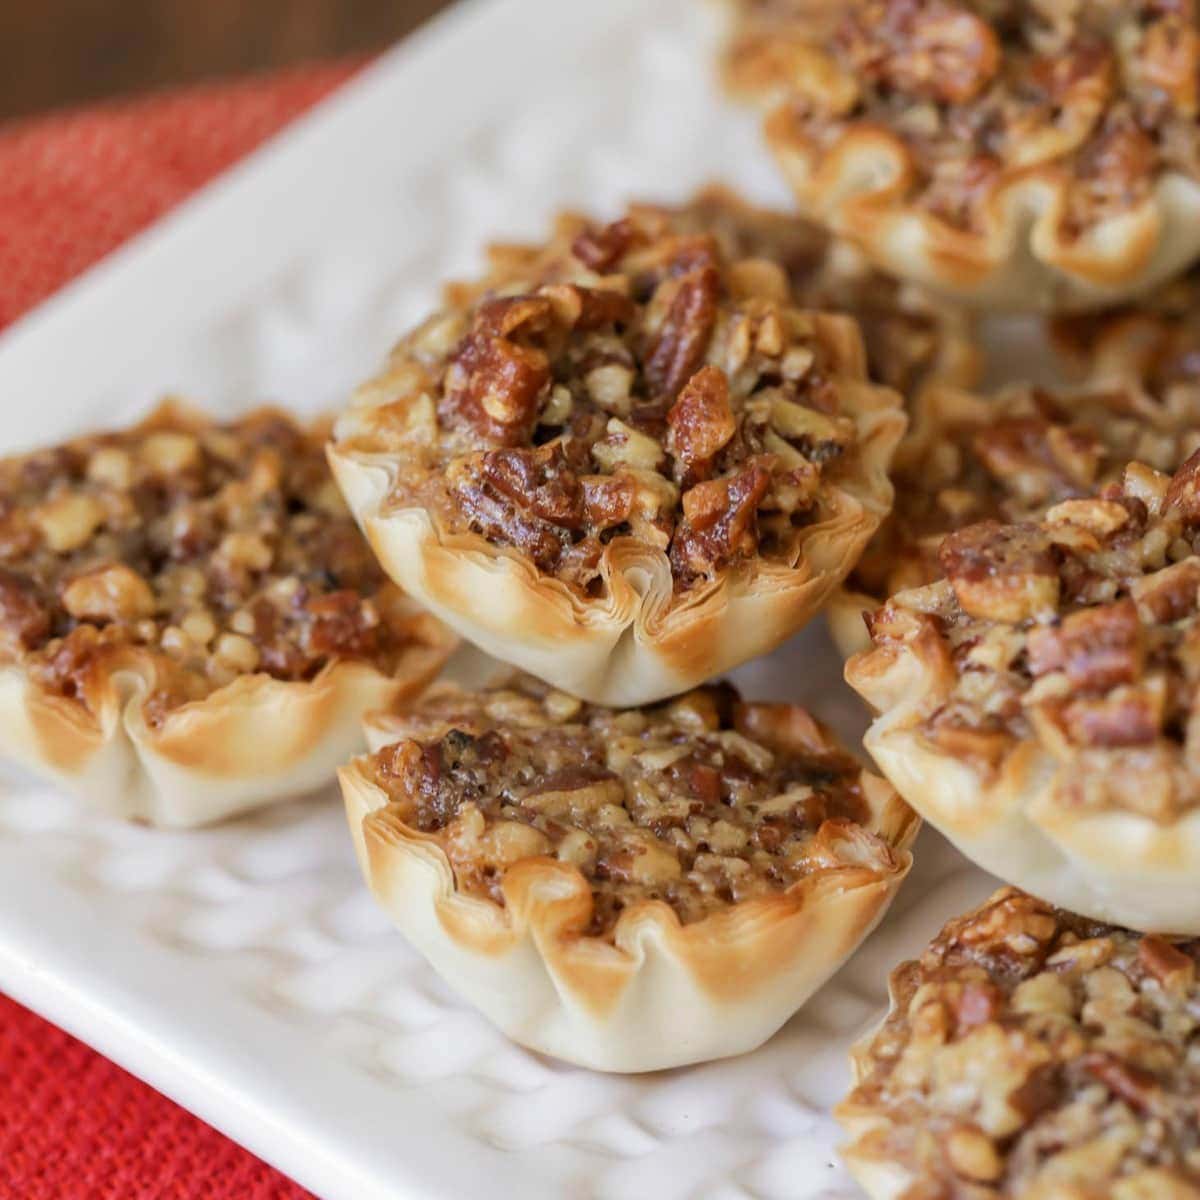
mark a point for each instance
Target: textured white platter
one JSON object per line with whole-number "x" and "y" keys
{"x": 242, "y": 970}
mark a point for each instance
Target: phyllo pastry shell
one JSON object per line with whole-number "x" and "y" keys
{"x": 625, "y": 889}
{"x": 1013, "y": 455}
{"x": 635, "y": 467}
{"x": 1015, "y": 154}
{"x": 1038, "y": 704}
{"x": 1032, "y": 1054}
{"x": 190, "y": 622}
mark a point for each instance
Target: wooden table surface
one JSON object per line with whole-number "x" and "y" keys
{"x": 58, "y": 53}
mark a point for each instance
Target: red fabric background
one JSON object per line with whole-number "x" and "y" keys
{"x": 72, "y": 187}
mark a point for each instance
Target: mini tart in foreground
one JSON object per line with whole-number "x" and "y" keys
{"x": 625, "y": 889}
{"x": 637, "y": 467}
{"x": 1015, "y": 154}
{"x": 1033, "y": 1054}
{"x": 190, "y": 622}
{"x": 1039, "y": 704}
{"x": 1012, "y": 456}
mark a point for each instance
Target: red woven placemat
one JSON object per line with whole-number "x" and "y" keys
{"x": 72, "y": 187}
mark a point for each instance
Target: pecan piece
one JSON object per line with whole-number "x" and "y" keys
{"x": 495, "y": 384}
{"x": 1170, "y": 594}
{"x": 601, "y": 249}
{"x": 719, "y": 521}
{"x": 929, "y": 48}
{"x": 1167, "y": 963}
{"x": 341, "y": 625}
{"x": 999, "y": 572}
{"x": 1097, "y": 648}
{"x": 680, "y": 344}
{"x": 1183, "y": 492}
{"x": 1128, "y": 716}
{"x": 24, "y": 621}
{"x": 530, "y": 499}
{"x": 700, "y": 423}
{"x": 1137, "y": 1087}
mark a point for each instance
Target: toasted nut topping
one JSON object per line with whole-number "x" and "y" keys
{"x": 1079, "y": 1077}
{"x": 113, "y": 593}
{"x": 699, "y": 803}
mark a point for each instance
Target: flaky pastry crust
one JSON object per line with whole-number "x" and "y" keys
{"x": 1033, "y": 1054}
{"x": 1016, "y": 155}
{"x": 128, "y": 674}
{"x": 487, "y": 827}
{"x": 1036, "y": 704}
{"x": 628, "y": 471}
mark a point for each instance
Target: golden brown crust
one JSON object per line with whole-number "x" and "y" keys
{"x": 1014, "y": 155}
{"x": 1035, "y": 704}
{"x": 703, "y": 524}
{"x": 220, "y": 684}
{"x": 1031, "y": 1053}
{"x": 647, "y": 990}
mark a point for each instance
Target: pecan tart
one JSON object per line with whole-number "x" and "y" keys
{"x": 190, "y": 623}
{"x": 627, "y": 469}
{"x": 1015, "y": 153}
{"x": 1039, "y": 703}
{"x": 627, "y": 889}
{"x": 1012, "y": 456}
{"x": 1033, "y": 1054}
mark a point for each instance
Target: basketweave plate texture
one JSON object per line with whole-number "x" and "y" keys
{"x": 243, "y": 970}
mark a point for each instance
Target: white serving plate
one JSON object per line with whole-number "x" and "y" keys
{"x": 242, "y": 970}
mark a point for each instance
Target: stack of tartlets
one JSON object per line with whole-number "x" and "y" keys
{"x": 653, "y": 448}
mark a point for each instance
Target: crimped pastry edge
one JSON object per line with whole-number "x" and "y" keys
{"x": 661, "y": 994}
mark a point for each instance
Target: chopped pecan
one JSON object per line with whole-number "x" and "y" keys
{"x": 531, "y": 499}
{"x": 1001, "y": 573}
{"x": 494, "y": 384}
{"x": 1097, "y": 648}
{"x": 601, "y": 249}
{"x": 930, "y": 48}
{"x": 719, "y": 520}
{"x": 342, "y": 626}
{"x": 1137, "y": 1087}
{"x": 700, "y": 424}
{"x": 24, "y": 619}
{"x": 608, "y": 499}
{"x": 1021, "y": 451}
{"x": 1183, "y": 492}
{"x": 1170, "y": 594}
{"x": 1165, "y": 962}
{"x": 680, "y": 344}
{"x": 1127, "y": 716}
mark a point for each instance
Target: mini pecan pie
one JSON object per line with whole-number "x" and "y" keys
{"x": 626, "y": 889}
{"x": 190, "y": 623}
{"x": 634, "y": 466}
{"x": 1017, "y": 153}
{"x": 1010, "y": 457}
{"x": 1033, "y": 1054}
{"x": 1038, "y": 704}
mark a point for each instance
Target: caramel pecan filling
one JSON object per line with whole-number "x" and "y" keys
{"x": 218, "y": 550}
{"x": 1030, "y": 1049}
{"x": 1013, "y": 457}
{"x": 1081, "y": 631}
{"x": 641, "y": 383}
{"x": 701, "y": 802}
{"x": 979, "y": 89}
